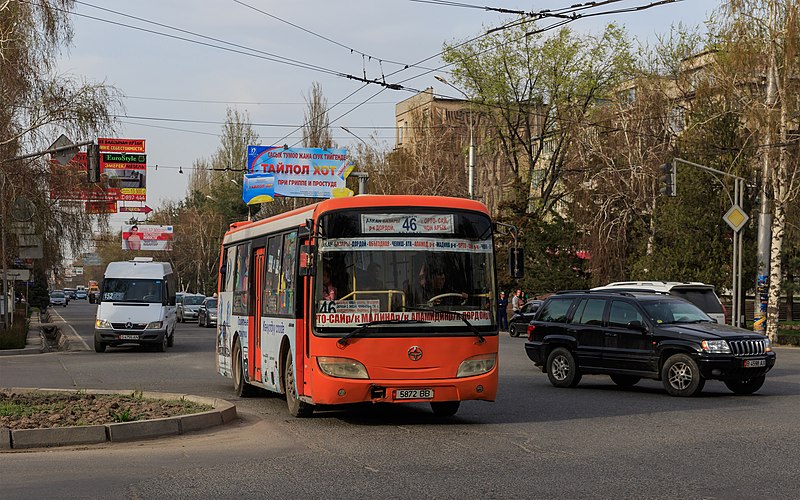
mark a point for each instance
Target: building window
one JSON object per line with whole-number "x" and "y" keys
{"x": 400, "y": 129}
{"x": 676, "y": 120}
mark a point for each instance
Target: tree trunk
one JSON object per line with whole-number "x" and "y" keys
{"x": 775, "y": 273}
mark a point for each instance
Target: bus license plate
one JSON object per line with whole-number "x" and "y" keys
{"x": 129, "y": 337}
{"x": 755, "y": 363}
{"x": 414, "y": 394}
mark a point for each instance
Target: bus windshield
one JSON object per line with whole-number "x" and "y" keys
{"x": 407, "y": 271}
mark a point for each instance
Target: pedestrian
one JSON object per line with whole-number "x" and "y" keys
{"x": 502, "y": 312}
{"x": 516, "y": 302}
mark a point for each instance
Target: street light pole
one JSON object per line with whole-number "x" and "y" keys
{"x": 471, "y": 155}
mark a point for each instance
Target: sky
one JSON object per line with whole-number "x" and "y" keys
{"x": 176, "y": 92}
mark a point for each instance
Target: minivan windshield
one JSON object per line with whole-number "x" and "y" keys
{"x": 193, "y": 300}
{"x": 132, "y": 290}
{"x": 672, "y": 311}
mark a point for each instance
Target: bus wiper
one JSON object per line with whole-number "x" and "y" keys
{"x": 458, "y": 315}
{"x": 343, "y": 341}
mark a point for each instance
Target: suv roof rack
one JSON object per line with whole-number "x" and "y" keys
{"x": 628, "y": 292}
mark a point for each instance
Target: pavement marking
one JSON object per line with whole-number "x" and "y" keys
{"x": 73, "y": 331}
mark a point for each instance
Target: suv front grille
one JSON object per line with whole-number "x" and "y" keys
{"x": 748, "y": 347}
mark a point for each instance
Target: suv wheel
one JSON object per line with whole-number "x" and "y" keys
{"x": 681, "y": 376}
{"x": 625, "y": 380}
{"x": 512, "y": 330}
{"x": 748, "y": 386}
{"x": 562, "y": 369}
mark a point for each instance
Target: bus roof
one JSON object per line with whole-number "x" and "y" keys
{"x": 295, "y": 218}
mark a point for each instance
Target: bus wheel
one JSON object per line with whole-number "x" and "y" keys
{"x": 445, "y": 408}
{"x": 297, "y": 408}
{"x": 242, "y": 388}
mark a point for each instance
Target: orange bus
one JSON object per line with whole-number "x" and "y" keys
{"x": 383, "y": 299}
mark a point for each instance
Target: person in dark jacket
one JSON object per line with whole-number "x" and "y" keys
{"x": 502, "y": 312}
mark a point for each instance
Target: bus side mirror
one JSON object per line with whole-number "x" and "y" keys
{"x": 516, "y": 262}
{"x": 222, "y": 269}
{"x": 306, "y": 261}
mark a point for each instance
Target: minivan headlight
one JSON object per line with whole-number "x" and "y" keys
{"x": 102, "y": 323}
{"x": 716, "y": 346}
{"x": 341, "y": 367}
{"x": 477, "y": 365}
{"x": 154, "y": 325}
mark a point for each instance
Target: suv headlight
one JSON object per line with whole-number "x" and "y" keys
{"x": 154, "y": 325}
{"x": 716, "y": 346}
{"x": 102, "y": 323}
{"x": 477, "y": 365}
{"x": 341, "y": 367}
{"x": 767, "y": 345}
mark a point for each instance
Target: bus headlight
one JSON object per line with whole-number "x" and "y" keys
{"x": 477, "y": 365}
{"x": 341, "y": 367}
{"x": 153, "y": 325}
{"x": 102, "y": 323}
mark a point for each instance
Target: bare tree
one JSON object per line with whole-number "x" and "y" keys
{"x": 316, "y": 127}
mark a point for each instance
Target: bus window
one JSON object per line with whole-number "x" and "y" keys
{"x": 230, "y": 267}
{"x": 272, "y": 277}
{"x": 241, "y": 278}
{"x": 286, "y": 285}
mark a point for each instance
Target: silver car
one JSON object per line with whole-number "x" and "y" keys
{"x": 189, "y": 306}
{"x": 58, "y": 298}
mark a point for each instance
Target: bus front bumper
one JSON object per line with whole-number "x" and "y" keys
{"x": 332, "y": 390}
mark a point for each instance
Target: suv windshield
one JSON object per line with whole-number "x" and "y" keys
{"x": 211, "y": 303}
{"x": 404, "y": 271}
{"x": 131, "y": 290}
{"x": 666, "y": 312}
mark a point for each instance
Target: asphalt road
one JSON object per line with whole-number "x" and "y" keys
{"x": 536, "y": 441}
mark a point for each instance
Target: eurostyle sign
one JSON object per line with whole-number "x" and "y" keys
{"x": 125, "y": 174}
{"x": 274, "y": 171}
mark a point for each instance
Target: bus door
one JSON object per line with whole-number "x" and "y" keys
{"x": 254, "y": 325}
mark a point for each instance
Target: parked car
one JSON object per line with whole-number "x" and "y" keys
{"x": 58, "y": 298}
{"x": 699, "y": 294}
{"x": 207, "y": 314}
{"x": 189, "y": 306}
{"x": 635, "y": 335}
{"x": 518, "y": 324}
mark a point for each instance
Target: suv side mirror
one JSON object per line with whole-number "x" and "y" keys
{"x": 637, "y": 325}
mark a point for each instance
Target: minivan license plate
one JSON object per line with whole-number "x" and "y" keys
{"x": 414, "y": 394}
{"x": 129, "y": 337}
{"x": 755, "y": 363}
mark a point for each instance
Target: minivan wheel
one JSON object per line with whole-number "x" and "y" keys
{"x": 562, "y": 370}
{"x": 681, "y": 376}
{"x": 512, "y": 330}
{"x": 99, "y": 346}
{"x": 625, "y": 380}
{"x": 162, "y": 347}
{"x": 171, "y": 339}
{"x": 748, "y": 386}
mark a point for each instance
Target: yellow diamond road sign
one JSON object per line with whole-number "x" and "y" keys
{"x": 735, "y": 217}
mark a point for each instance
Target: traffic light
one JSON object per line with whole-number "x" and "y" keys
{"x": 516, "y": 263}
{"x": 668, "y": 179}
{"x": 93, "y": 163}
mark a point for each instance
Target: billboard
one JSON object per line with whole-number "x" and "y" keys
{"x": 100, "y": 207}
{"x": 274, "y": 171}
{"x": 69, "y": 182}
{"x": 125, "y": 175}
{"x": 109, "y": 145}
{"x": 141, "y": 237}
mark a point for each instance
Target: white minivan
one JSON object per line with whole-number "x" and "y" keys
{"x": 137, "y": 305}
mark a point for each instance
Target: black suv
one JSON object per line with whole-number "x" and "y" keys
{"x": 635, "y": 335}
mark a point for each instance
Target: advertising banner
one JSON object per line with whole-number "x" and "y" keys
{"x": 100, "y": 207}
{"x": 109, "y": 145}
{"x": 125, "y": 175}
{"x": 136, "y": 237}
{"x": 69, "y": 182}
{"x": 274, "y": 171}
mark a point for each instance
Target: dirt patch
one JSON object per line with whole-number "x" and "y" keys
{"x": 31, "y": 410}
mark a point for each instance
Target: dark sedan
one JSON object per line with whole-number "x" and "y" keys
{"x": 207, "y": 313}
{"x": 518, "y": 324}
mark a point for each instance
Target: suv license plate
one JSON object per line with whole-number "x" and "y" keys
{"x": 129, "y": 337}
{"x": 755, "y": 363}
{"x": 413, "y": 394}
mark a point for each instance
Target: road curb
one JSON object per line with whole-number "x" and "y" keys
{"x": 223, "y": 412}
